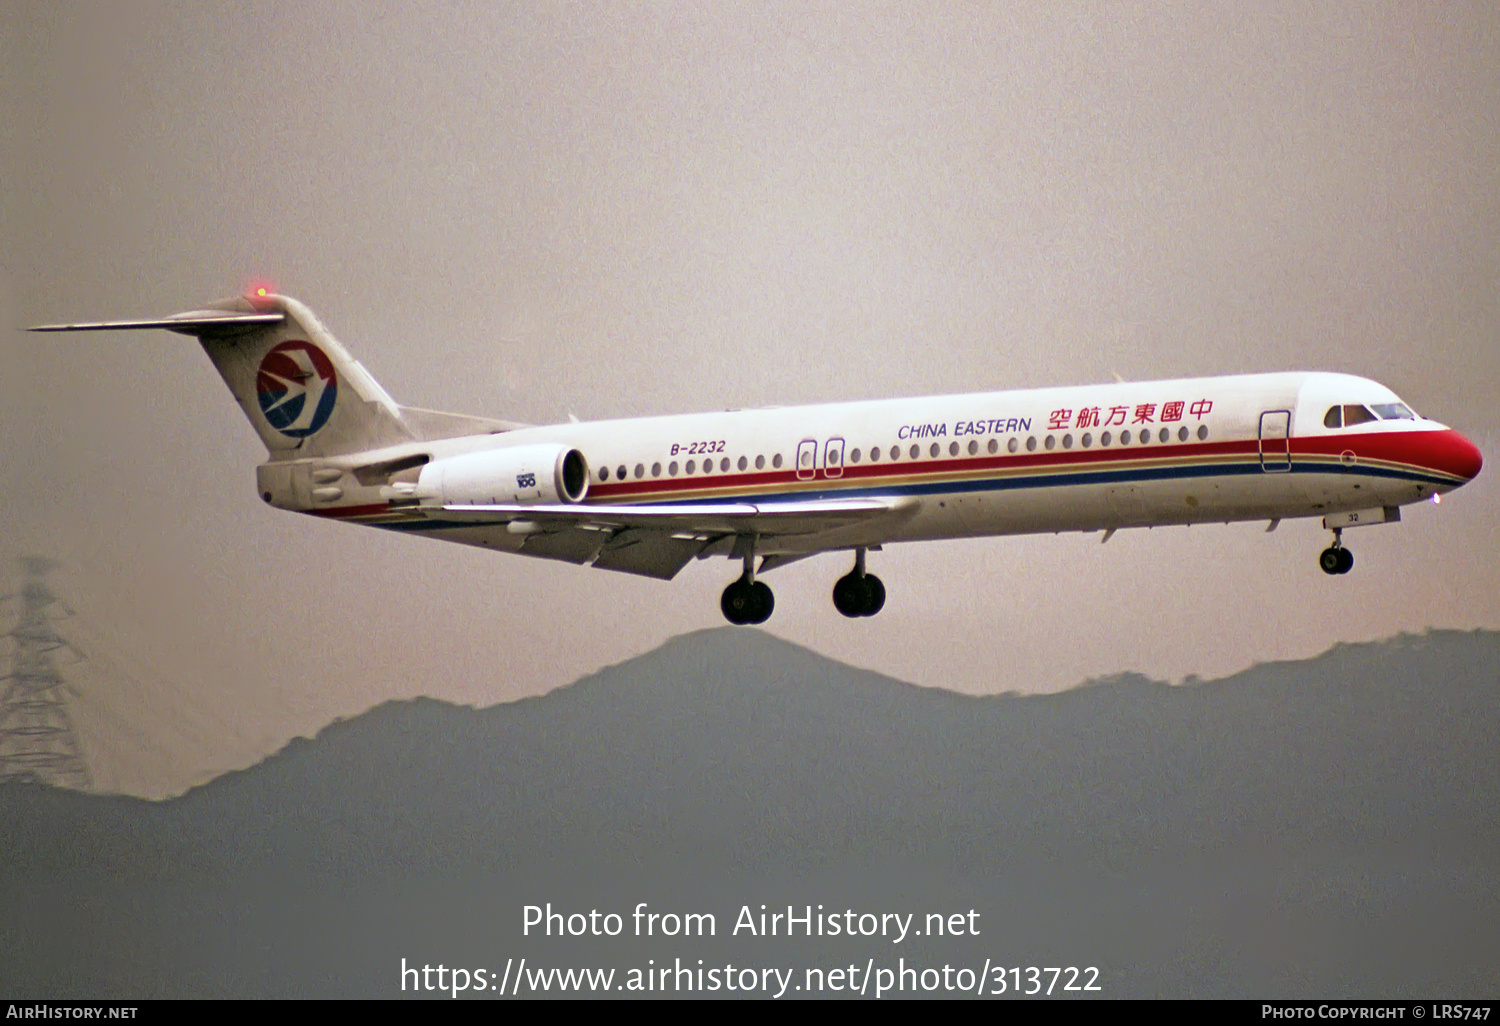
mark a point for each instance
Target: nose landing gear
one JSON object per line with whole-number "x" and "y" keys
{"x": 858, "y": 593}
{"x": 1336, "y": 559}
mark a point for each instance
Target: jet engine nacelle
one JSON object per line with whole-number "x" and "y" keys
{"x": 520, "y": 475}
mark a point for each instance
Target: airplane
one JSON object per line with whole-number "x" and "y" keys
{"x": 766, "y": 487}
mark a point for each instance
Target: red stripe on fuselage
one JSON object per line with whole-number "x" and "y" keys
{"x": 338, "y": 512}
{"x": 1443, "y": 452}
{"x": 968, "y": 466}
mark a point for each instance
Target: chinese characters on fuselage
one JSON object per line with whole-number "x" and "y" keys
{"x": 1062, "y": 419}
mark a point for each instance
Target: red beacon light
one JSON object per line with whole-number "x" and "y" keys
{"x": 259, "y": 293}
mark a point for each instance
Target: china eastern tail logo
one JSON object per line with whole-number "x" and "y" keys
{"x": 297, "y": 388}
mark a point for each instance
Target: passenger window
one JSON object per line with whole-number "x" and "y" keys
{"x": 1051, "y": 442}
{"x": 933, "y": 451}
{"x": 1031, "y": 443}
{"x": 692, "y": 466}
{"x": 995, "y": 445}
{"x": 974, "y": 448}
{"x": 776, "y": 461}
{"x": 1202, "y": 432}
{"x": 875, "y": 455}
{"x": 604, "y": 473}
{"x": 656, "y": 470}
{"x": 1166, "y": 433}
{"x": 854, "y": 456}
{"x": 916, "y": 451}
{"x": 640, "y": 470}
{"x": 760, "y": 463}
{"x": 743, "y": 463}
{"x": 1012, "y": 445}
{"x": 1354, "y": 414}
{"x": 1182, "y": 434}
{"x": 672, "y": 468}
{"x": 1334, "y": 418}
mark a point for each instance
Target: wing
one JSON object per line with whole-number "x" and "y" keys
{"x": 659, "y": 540}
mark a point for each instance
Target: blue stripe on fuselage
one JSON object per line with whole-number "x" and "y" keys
{"x": 951, "y": 486}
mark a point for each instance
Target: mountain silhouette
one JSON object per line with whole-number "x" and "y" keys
{"x": 1317, "y": 828}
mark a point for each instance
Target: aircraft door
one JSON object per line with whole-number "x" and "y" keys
{"x": 807, "y": 458}
{"x": 1275, "y": 441}
{"x": 833, "y": 458}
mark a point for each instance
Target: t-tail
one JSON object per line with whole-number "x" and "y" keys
{"x": 301, "y": 390}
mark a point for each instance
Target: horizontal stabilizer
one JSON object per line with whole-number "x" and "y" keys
{"x": 198, "y": 322}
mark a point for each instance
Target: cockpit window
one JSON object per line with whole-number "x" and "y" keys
{"x": 1354, "y": 414}
{"x": 1334, "y": 418}
{"x": 1393, "y": 411}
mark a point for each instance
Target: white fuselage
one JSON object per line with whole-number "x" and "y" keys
{"x": 1079, "y": 458}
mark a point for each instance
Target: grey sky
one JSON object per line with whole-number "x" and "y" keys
{"x": 613, "y": 210}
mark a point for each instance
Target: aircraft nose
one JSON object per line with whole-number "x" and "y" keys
{"x": 1452, "y": 453}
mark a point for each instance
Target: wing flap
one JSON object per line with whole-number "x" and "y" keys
{"x": 648, "y": 553}
{"x": 568, "y": 545}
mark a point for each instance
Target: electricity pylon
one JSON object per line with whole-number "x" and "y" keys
{"x": 38, "y": 744}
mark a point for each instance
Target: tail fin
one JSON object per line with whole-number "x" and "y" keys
{"x": 300, "y": 389}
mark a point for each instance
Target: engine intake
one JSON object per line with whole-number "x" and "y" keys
{"x": 520, "y": 475}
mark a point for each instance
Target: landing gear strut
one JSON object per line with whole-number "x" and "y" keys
{"x": 858, "y": 593}
{"x": 748, "y": 600}
{"x": 1336, "y": 559}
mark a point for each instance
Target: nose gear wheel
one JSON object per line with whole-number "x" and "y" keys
{"x": 1336, "y": 559}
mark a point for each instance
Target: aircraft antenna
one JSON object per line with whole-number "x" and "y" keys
{"x": 38, "y": 744}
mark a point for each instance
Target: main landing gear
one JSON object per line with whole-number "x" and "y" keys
{"x": 748, "y": 600}
{"x": 1336, "y": 559}
{"x": 858, "y": 593}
